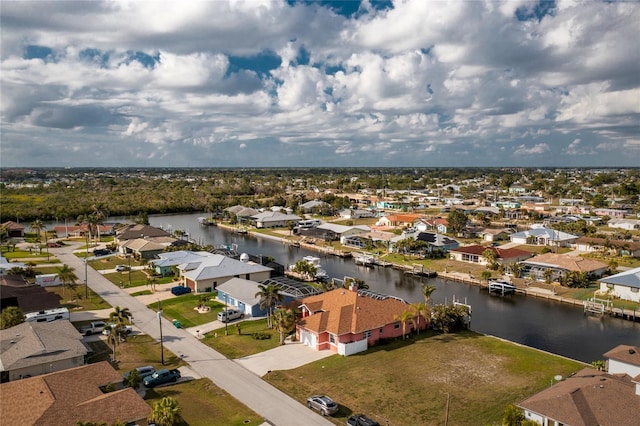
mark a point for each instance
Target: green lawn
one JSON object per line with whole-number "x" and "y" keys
{"x": 182, "y": 309}
{"x": 74, "y": 299}
{"x": 203, "y": 403}
{"x": 407, "y": 382}
{"x": 236, "y": 345}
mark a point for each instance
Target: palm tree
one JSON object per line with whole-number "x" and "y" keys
{"x": 284, "y": 321}
{"x": 270, "y": 296}
{"x": 166, "y": 412}
{"x": 427, "y": 291}
{"x": 120, "y": 317}
{"x": 67, "y": 276}
{"x": 37, "y": 226}
{"x": 11, "y": 316}
{"x": 420, "y": 309}
{"x": 404, "y": 318}
{"x": 548, "y": 275}
{"x": 485, "y": 275}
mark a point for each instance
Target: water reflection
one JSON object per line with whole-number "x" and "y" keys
{"x": 550, "y": 326}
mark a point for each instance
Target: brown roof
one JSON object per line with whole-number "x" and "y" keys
{"x": 588, "y": 398}
{"x": 29, "y": 298}
{"x": 625, "y": 353}
{"x": 501, "y": 253}
{"x": 343, "y": 311}
{"x": 137, "y": 231}
{"x": 69, "y": 396}
{"x": 11, "y": 225}
{"x": 570, "y": 263}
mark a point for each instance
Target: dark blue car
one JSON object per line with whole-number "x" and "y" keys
{"x": 178, "y": 290}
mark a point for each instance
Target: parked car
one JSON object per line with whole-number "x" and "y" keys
{"x": 229, "y": 315}
{"x": 126, "y": 329}
{"x": 94, "y": 328}
{"x": 143, "y": 372}
{"x": 101, "y": 252}
{"x": 180, "y": 289}
{"x": 323, "y": 404}
{"x": 361, "y": 420}
{"x": 161, "y": 377}
{"x": 120, "y": 268}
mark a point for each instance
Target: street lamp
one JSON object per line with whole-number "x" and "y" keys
{"x": 160, "y": 322}
{"x": 129, "y": 257}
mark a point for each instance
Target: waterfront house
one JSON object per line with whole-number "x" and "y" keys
{"x": 132, "y": 232}
{"x": 166, "y": 262}
{"x": 34, "y": 348}
{"x": 433, "y": 240}
{"x": 72, "y": 396}
{"x": 560, "y": 264}
{"x": 592, "y": 397}
{"x": 625, "y": 285}
{"x": 544, "y": 237}
{"x": 205, "y": 274}
{"x": 474, "y": 254}
{"x": 241, "y": 294}
{"x": 271, "y": 219}
{"x": 346, "y": 321}
{"x": 13, "y": 229}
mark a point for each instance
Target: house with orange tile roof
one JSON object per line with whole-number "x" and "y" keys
{"x": 474, "y": 254}
{"x": 590, "y": 396}
{"x": 346, "y": 321}
{"x": 398, "y": 220}
{"x": 70, "y": 396}
{"x": 560, "y": 264}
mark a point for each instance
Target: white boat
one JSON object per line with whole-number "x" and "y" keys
{"x": 364, "y": 259}
{"x": 501, "y": 287}
{"x": 321, "y": 274}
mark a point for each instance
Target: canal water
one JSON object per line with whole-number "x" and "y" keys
{"x": 550, "y": 326}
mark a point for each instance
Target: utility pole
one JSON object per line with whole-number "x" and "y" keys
{"x": 226, "y": 315}
{"x": 446, "y": 413}
{"x": 160, "y": 322}
{"x": 86, "y": 277}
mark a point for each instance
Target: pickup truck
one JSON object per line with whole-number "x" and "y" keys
{"x": 126, "y": 329}
{"x": 161, "y": 377}
{"x": 95, "y": 327}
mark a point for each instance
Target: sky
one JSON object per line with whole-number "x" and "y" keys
{"x": 266, "y": 83}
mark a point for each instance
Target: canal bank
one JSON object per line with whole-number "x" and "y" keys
{"x": 538, "y": 321}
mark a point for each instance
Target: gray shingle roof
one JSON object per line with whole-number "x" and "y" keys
{"x": 630, "y": 278}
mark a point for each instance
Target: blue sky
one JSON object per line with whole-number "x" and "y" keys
{"x": 263, "y": 83}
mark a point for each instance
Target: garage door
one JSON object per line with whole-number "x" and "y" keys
{"x": 308, "y": 339}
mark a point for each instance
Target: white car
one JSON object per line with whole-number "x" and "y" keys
{"x": 127, "y": 329}
{"x": 120, "y": 268}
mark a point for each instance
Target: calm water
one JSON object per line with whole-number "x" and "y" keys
{"x": 550, "y": 326}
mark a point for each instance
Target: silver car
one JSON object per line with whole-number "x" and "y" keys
{"x": 323, "y": 404}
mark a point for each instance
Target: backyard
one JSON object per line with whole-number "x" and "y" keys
{"x": 182, "y": 308}
{"x": 412, "y": 381}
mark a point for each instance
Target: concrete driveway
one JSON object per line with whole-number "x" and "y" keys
{"x": 291, "y": 355}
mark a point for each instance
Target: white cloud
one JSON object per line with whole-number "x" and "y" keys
{"x": 421, "y": 83}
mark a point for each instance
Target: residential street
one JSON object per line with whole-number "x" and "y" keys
{"x": 276, "y": 407}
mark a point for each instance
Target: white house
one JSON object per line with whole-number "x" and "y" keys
{"x": 204, "y": 275}
{"x": 270, "y": 219}
{"x": 628, "y": 224}
{"x": 625, "y": 285}
{"x": 544, "y": 237}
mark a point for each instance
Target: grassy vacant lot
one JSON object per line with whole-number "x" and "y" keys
{"x": 74, "y": 300}
{"x": 408, "y": 382}
{"x": 236, "y": 345}
{"x": 138, "y": 350}
{"x": 182, "y": 309}
{"x": 203, "y": 403}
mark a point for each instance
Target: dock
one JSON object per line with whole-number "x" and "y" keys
{"x": 419, "y": 271}
{"x": 501, "y": 287}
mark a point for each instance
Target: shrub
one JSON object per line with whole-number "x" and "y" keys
{"x": 261, "y": 336}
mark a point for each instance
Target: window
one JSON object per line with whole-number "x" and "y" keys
{"x": 367, "y": 334}
{"x": 634, "y": 289}
{"x": 332, "y": 338}
{"x": 610, "y": 286}
{"x": 396, "y": 325}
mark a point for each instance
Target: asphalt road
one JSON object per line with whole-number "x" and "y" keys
{"x": 273, "y": 405}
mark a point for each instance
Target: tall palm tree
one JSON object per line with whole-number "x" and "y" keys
{"x": 284, "y": 320}
{"x": 404, "y": 318}
{"x": 270, "y": 296}
{"x": 120, "y": 317}
{"x": 420, "y": 309}
{"x": 427, "y": 291}
{"x": 37, "y": 226}
{"x": 67, "y": 276}
{"x": 166, "y": 412}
